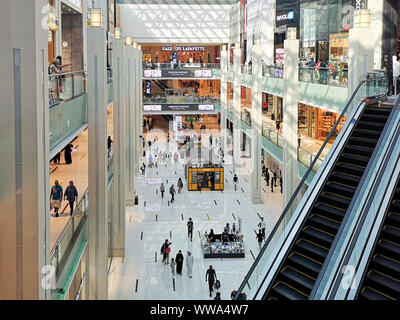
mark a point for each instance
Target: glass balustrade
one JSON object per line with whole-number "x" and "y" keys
{"x": 179, "y": 99}
{"x": 66, "y": 86}
{"x": 272, "y": 71}
{"x": 171, "y": 65}
{"x": 332, "y": 76}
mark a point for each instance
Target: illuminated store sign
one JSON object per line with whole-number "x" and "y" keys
{"x": 177, "y": 107}
{"x": 187, "y": 48}
{"x": 177, "y": 73}
{"x": 286, "y": 16}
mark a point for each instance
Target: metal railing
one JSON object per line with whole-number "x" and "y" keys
{"x": 62, "y": 247}
{"x": 273, "y": 136}
{"x": 307, "y": 158}
{"x": 178, "y": 99}
{"x": 332, "y": 76}
{"x": 109, "y": 75}
{"x": 272, "y": 71}
{"x": 66, "y": 86}
{"x": 178, "y": 66}
{"x": 264, "y": 262}
{"x": 246, "y": 118}
{"x": 246, "y": 69}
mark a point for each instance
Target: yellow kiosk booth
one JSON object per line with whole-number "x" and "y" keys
{"x": 205, "y": 178}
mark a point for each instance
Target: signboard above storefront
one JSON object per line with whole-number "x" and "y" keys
{"x": 184, "y": 48}
{"x": 284, "y": 17}
{"x": 178, "y": 107}
{"x": 177, "y": 73}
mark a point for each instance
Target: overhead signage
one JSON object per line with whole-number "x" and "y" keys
{"x": 180, "y": 48}
{"x": 178, "y": 73}
{"x": 177, "y": 107}
{"x": 284, "y": 18}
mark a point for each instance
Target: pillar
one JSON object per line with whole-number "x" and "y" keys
{"x": 256, "y": 123}
{"x": 137, "y": 105}
{"x": 236, "y": 107}
{"x": 119, "y": 66}
{"x": 290, "y": 115}
{"x": 97, "y": 116}
{"x": 361, "y": 51}
{"x": 24, "y": 160}
{"x": 224, "y": 96}
{"x": 129, "y": 124}
{"x": 140, "y": 75}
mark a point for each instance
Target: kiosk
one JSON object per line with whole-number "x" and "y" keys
{"x": 205, "y": 178}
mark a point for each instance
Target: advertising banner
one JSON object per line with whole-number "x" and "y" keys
{"x": 178, "y": 73}
{"x": 177, "y": 107}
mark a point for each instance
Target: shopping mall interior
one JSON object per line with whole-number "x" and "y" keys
{"x": 200, "y": 150}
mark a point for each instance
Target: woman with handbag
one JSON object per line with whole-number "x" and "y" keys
{"x": 165, "y": 250}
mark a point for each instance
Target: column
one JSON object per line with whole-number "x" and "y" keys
{"x": 129, "y": 123}
{"x": 256, "y": 123}
{"x": 236, "y": 108}
{"x": 361, "y": 51}
{"x": 119, "y": 66}
{"x": 290, "y": 115}
{"x": 24, "y": 160}
{"x": 377, "y": 20}
{"x": 137, "y": 124}
{"x": 224, "y": 95}
{"x": 97, "y": 116}
{"x": 140, "y": 75}
{"x": 267, "y": 15}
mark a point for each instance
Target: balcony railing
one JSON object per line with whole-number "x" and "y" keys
{"x": 246, "y": 118}
{"x": 70, "y": 233}
{"x": 273, "y": 136}
{"x": 272, "y": 71}
{"x": 246, "y": 69}
{"x": 178, "y": 66}
{"x": 109, "y": 75}
{"x": 177, "y": 99}
{"x": 66, "y": 86}
{"x": 332, "y": 76}
{"x": 307, "y": 159}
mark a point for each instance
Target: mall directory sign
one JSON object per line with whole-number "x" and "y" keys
{"x": 178, "y": 73}
{"x": 177, "y": 107}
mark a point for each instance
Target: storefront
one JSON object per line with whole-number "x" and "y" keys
{"x": 318, "y": 123}
{"x": 185, "y": 53}
{"x": 272, "y": 106}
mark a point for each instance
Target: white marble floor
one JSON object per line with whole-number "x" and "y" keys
{"x": 153, "y": 221}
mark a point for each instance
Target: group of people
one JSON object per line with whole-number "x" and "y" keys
{"x": 177, "y": 263}
{"x": 271, "y": 179}
{"x": 172, "y": 190}
{"x": 69, "y": 148}
{"x": 57, "y": 195}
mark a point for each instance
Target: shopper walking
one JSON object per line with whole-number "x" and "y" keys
{"x": 143, "y": 168}
{"x": 217, "y": 296}
{"x": 172, "y": 192}
{"x": 259, "y": 238}
{"x": 275, "y": 179}
{"x": 56, "y": 194}
{"x": 162, "y": 190}
{"x": 272, "y": 184}
{"x": 190, "y": 229}
{"x": 261, "y": 225}
{"x": 173, "y": 264}
{"x": 67, "y": 153}
{"x": 180, "y": 186}
{"x": 267, "y": 176}
{"x": 281, "y": 183}
{"x": 179, "y": 262}
{"x": 211, "y": 276}
{"x": 71, "y": 194}
{"x": 189, "y": 263}
{"x": 165, "y": 250}
{"x": 235, "y": 181}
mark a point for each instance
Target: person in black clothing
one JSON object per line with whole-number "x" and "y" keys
{"x": 71, "y": 194}
{"x": 281, "y": 183}
{"x": 109, "y": 142}
{"x": 165, "y": 251}
{"x": 190, "y": 228}
{"x": 259, "y": 238}
{"x": 57, "y": 158}
{"x": 233, "y": 294}
{"x": 272, "y": 184}
{"x": 217, "y": 296}
{"x": 275, "y": 178}
{"x": 267, "y": 176}
{"x": 179, "y": 262}
{"x": 67, "y": 153}
{"x": 212, "y": 276}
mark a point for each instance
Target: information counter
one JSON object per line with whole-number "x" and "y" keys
{"x": 206, "y": 178}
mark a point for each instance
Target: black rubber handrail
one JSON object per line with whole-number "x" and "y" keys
{"x": 350, "y": 248}
{"x": 295, "y": 194}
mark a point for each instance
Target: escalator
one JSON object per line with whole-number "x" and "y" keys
{"x": 299, "y": 269}
{"x": 382, "y": 278}
{"x": 162, "y": 84}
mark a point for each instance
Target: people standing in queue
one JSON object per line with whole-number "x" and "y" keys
{"x": 211, "y": 276}
{"x": 189, "y": 263}
{"x": 162, "y": 190}
{"x": 180, "y": 185}
{"x": 165, "y": 250}
{"x": 56, "y": 194}
{"x": 179, "y": 262}
{"x": 172, "y": 192}
{"x": 173, "y": 264}
{"x": 259, "y": 238}
{"x": 71, "y": 194}
{"x": 261, "y": 225}
{"x": 190, "y": 228}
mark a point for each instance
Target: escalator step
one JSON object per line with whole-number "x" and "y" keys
{"x": 350, "y": 169}
{"x": 298, "y": 280}
{"x": 396, "y": 205}
{"x": 324, "y": 223}
{"x": 363, "y": 142}
{"x": 385, "y": 281}
{"x": 357, "y": 150}
{"x": 394, "y": 219}
{"x": 380, "y": 110}
{"x": 355, "y": 159}
{"x": 371, "y": 134}
{"x": 389, "y": 247}
{"x": 345, "y": 179}
{"x": 287, "y": 292}
{"x": 374, "y": 117}
{"x": 317, "y": 235}
{"x": 335, "y": 200}
{"x": 369, "y": 125}
{"x": 392, "y": 232}
{"x": 371, "y": 294}
{"x": 341, "y": 189}
{"x": 336, "y": 214}
{"x": 311, "y": 250}
{"x": 305, "y": 264}
{"x": 389, "y": 265}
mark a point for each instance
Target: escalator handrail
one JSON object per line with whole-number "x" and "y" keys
{"x": 338, "y": 278}
{"x": 295, "y": 194}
